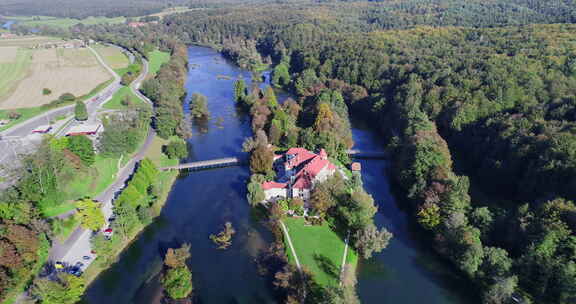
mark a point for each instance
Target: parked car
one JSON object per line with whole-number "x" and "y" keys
{"x": 59, "y": 265}
{"x": 86, "y": 257}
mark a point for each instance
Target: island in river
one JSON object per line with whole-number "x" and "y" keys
{"x": 200, "y": 202}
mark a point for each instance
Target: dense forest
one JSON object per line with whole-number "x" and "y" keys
{"x": 476, "y": 99}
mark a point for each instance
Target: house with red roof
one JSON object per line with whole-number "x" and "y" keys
{"x": 300, "y": 171}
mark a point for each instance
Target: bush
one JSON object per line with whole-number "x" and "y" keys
{"x": 46, "y": 91}
{"x": 80, "y": 111}
{"x": 82, "y": 146}
{"x": 66, "y": 97}
{"x": 14, "y": 115}
{"x": 176, "y": 149}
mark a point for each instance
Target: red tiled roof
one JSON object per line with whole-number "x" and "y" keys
{"x": 273, "y": 185}
{"x": 310, "y": 166}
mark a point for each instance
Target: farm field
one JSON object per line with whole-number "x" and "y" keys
{"x": 114, "y": 57}
{"x": 37, "y": 21}
{"x": 319, "y": 249}
{"x": 174, "y": 10}
{"x": 24, "y": 73}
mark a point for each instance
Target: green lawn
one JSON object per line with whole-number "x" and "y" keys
{"x": 63, "y": 22}
{"x": 12, "y": 72}
{"x": 156, "y": 59}
{"x": 319, "y": 249}
{"x": 116, "y": 102}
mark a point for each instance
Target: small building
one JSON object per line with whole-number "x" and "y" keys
{"x": 356, "y": 167}
{"x": 42, "y": 129}
{"x": 86, "y": 129}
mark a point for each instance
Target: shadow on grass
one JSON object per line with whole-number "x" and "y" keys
{"x": 327, "y": 265}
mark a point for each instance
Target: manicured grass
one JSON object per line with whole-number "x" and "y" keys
{"x": 116, "y": 102}
{"x": 114, "y": 57}
{"x": 12, "y": 72}
{"x": 319, "y": 249}
{"x": 156, "y": 59}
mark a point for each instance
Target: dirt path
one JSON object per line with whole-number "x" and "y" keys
{"x": 290, "y": 244}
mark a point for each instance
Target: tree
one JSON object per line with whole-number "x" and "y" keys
{"x": 429, "y": 215}
{"x": 199, "y": 106}
{"x": 369, "y": 240}
{"x": 223, "y": 239}
{"x": 68, "y": 289}
{"x": 177, "y": 278}
{"x": 482, "y": 219}
{"x": 281, "y": 76}
{"x": 176, "y": 257}
{"x": 239, "y": 90}
{"x": 255, "y": 193}
{"x": 90, "y": 214}
{"x": 270, "y": 96}
{"x": 80, "y": 111}
{"x": 501, "y": 291}
{"x": 177, "y": 282}
{"x": 177, "y": 149}
{"x": 82, "y": 146}
{"x": 67, "y": 97}
{"x": 261, "y": 160}
{"x": 321, "y": 199}
{"x": 46, "y": 91}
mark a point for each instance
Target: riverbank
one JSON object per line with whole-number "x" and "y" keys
{"x": 166, "y": 180}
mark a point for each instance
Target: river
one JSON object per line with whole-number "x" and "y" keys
{"x": 201, "y": 202}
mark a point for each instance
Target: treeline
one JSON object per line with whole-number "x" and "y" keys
{"x": 133, "y": 209}
{"x": 501, "y": 98}
{"x": 167, "y": 92}
{"x": 84, "y": 8}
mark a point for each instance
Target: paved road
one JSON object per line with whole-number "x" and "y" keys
{"x": 78, "y": 244}
{"x": 19, "y": 140}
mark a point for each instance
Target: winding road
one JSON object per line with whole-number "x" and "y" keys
{"x": 78, "y": 244}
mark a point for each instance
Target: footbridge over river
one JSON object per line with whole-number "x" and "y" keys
{"x": 238, "y": 160}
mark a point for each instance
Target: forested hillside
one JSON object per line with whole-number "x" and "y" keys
{"x": 477, "y": 101}
{"x": 496, "y": 101}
